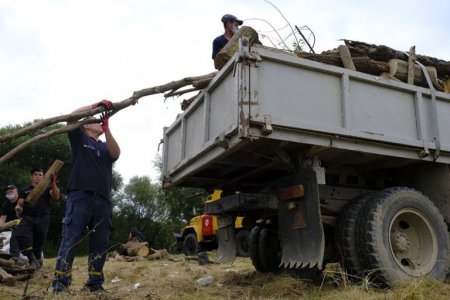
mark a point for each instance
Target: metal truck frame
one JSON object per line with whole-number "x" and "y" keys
{"x": 325, "y": 163}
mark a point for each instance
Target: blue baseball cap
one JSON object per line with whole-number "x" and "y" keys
{"x": 226, "y": 18}
{"x": 10, "y": 187}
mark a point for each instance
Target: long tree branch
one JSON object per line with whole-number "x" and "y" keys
{"x": 76, "y": 116}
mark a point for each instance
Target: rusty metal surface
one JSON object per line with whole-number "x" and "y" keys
{"x": 300, "y": 228}
{"x": 226, "y": 237}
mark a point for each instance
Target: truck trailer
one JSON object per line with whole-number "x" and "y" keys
{"x": 326, "y": 164}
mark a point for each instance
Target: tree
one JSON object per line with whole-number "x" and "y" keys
{"x": 42, "y": 154}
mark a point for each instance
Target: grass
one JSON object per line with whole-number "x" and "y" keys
{"x": 175, "y": 278}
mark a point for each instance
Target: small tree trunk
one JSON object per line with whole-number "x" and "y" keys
{"x": 232, "y": 46}
{"x": 399, "y": 69}
{"x": 6, "y": 278}
{"x": 38, "y": 190}
{"x": 135, "y": 249}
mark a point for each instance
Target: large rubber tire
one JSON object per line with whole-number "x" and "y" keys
{"x": 402, "y": 236}
{"x": 242, "y": 238}
{"x": 346, "y": 236}
{"x": 270, "y": 250}
{"x": 190, "y": 245}
{"x": 253, "y": 249}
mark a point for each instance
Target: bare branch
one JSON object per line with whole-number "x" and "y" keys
{"x": 174, "y": 85}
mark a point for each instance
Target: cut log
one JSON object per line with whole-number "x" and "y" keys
{"x": 9, "y": 225}
{"x": 399, "y": 69}
{"x": 362, "y": 64}
{"x": 447, "y": 86}
{"x": 158, "y": 254}
{"x": 6, "y": 278}
{"x": 38, "y": 190}
{"x": 232, "y": 46}
{"x": 411, "y": 63}
{"x": 134, "y": 249}
{"x": 384, "y": 53}
{"x": 346, "y": 57}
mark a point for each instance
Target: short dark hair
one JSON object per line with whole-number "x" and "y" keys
{"x": 36, "y": 169}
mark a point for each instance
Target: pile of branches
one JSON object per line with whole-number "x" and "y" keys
{"x": 386, "y": 62}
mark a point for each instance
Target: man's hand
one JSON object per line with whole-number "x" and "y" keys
{"x": 105, "y": 103}
{"x": 19, "y": 210}
{"x": 105, "y": 122}
{"x": 54, "y": 176}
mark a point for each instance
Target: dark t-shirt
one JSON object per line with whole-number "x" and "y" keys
{"x": 43, "y": 206}
{"x": 91, "y": 164}
{"x": 218, "y": 43}
{"x": 8, "y": 209}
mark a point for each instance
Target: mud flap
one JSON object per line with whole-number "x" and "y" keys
{"x": 300, "y": 227}
{"x": 226, "y": 236}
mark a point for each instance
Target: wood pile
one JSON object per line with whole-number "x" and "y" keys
{"x": 10, "y": 272}
{"x": 135, "y": 250}
{"x": 386, "y": 62}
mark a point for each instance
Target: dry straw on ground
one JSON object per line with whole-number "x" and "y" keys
{"x": 175, "y": 278}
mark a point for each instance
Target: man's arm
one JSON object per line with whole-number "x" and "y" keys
{"x": 105, "y": 103}
{"x": 2, "y": 219}
{"x": 84, "y": 108}
{"x": 111, "y": 143}
{"x": 54, "y": 191}
{"x": 19, "y": 206}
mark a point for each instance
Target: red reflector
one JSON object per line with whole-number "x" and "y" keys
{"x": 207, "y": 225}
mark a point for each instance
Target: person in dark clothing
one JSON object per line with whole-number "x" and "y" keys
{"x": 8, "y": 213}
{"x": 32, "y": 230}
{"x": 230, "y": 23}
{"x": 138, "y": 236}
{"x": 88, "y": 204}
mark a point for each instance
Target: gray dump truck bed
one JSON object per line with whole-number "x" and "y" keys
{"x": 266, "y": 107}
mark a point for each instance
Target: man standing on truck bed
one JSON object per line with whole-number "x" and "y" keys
{"x": 230, "y": 23}
{"x": 88, "y": 204}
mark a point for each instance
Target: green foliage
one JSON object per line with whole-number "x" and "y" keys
{"x": 155, "y": 212}
{"x": 39, "y": 154}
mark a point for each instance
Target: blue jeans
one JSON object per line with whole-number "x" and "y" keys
{"x": 86, "y": 214}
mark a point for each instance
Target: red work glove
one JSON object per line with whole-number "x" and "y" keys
{"x": 105, "y": 122}
{"x": 105, "y": 103}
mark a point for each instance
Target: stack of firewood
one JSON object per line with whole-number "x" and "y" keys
{"x": 386, "y": 62}
{"x": 10, "y": 271}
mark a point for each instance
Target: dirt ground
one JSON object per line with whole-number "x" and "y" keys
{"x": 175, "y": 277}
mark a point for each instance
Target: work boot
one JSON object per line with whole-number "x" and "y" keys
{"x": 32, "y": 261}
{"x": 40, "y": 263}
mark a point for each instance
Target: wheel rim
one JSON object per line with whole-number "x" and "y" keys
{"x": 413, "y": 242}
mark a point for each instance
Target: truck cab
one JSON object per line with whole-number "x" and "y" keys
{"x": 200, "y": 234}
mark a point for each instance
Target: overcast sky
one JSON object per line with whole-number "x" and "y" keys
{"x": 56, "y": 56}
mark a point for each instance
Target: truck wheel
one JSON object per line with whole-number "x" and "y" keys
{"x": 346, "y": 235}
{"x": 403, "y": 236}
{"x": 242, "y": 243}
{"x": 270, "y": 250}
{"x": 253, "y": 249}
{"x": 190, "y": 245}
